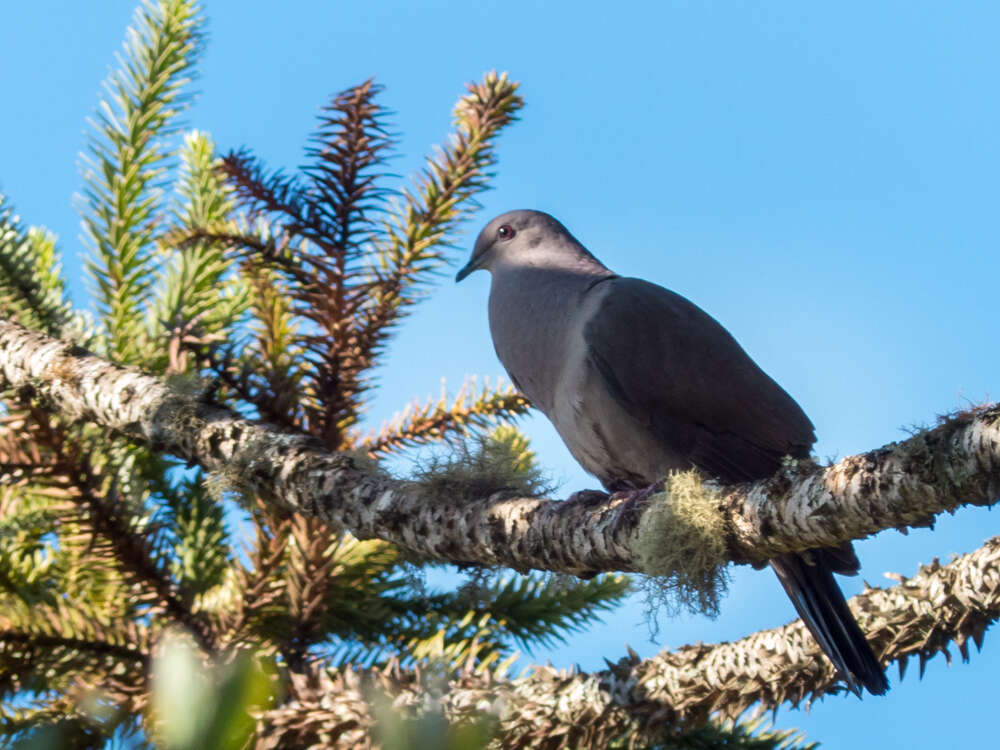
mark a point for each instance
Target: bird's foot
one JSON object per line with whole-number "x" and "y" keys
{"x": 587, "y": 497}
{"x": 633, "y": 503}
{"x": 638, "y": 495}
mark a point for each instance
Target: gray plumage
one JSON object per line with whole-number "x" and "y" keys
{"x": 638, "y": 380}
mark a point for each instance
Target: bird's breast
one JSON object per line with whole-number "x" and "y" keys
{"x": 534, "y": 322}
{"x": 538, "y": 333}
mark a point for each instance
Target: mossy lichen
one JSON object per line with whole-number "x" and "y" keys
{"x": 481, "y": 465}
{"x": 231, "y": 481}
{"x": 682, "y": 547}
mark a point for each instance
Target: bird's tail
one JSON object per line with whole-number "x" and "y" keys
{"x": 808, "y": 580}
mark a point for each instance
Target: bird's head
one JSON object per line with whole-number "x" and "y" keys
{"x": 524, "y": 238}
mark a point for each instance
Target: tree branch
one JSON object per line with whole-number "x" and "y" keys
{"x": 648, "y": 701}
{"x": 804, "y": 506}
{"x": 94, "y": 648}
{"x": 419, "y": 424}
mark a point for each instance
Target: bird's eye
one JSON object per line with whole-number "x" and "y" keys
{"x": 506, "y": 232}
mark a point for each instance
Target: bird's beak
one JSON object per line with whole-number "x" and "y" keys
{"x": 469, "y": 267}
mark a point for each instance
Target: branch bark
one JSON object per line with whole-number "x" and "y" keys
{"x": 941, "y": 606}
{"x": 804, "y": 506}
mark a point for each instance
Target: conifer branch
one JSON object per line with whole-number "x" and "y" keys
{"x": 199, "y": 298}
{"x": 134, "y": 551}
{"x": 940, "y": 607}
{"x": 417, "y": 231}
{"x": 258, "y": 586}
{"x": 201, "y": 550}
{"x": 129, "y": 154}
{"x": 37, "y": 637}
{"x": 74, "y": 498}
{"x": 432, "y": 421}
{"x": 328, "y": 220}
{"x": 73, "y": 487}
{"x": 482, "y": 622}
{"x": 32, "y": 289}
{"x": 10, "y": 639}
{"x": 263, "y": 192}
{"x": 238, "y": 378}
{"x": 62, "y": 717}
{"x": 308, "y": 576}
{"x": 349, "y": 144}
{"x": 228, "y": 236}
{"x": 353, "y": 279}
{"x": 101, "y": 541}
{"x": 902, "y": 484}
{"x": 275, "y": 379}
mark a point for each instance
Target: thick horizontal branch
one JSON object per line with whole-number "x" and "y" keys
{"x": 805, "y": 506}
{"x": 941, "y": 606}
{"x": 900, "y": 485}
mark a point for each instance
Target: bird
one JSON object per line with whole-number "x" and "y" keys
{"x": 639, "y": 381}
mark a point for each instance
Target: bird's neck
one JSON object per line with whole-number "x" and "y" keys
{"x": 540, "y": 293}
{"x": 558, "y": 260}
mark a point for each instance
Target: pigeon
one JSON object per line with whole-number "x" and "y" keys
{"x": 639, "y": 381}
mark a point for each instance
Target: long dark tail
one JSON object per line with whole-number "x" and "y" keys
{"x": 808, "y": 580}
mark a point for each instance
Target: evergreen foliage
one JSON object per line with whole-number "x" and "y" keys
{"x": 32, "y": 290}
{"x": 282, "y": 292}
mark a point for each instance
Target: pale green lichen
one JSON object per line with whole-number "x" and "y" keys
{"x": 682, "y": 547}
{"x": 232, "y": 480}
{"x": 481, "y": 465}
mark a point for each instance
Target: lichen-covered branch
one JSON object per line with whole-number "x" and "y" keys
{"x": 804, "y": 506}
{"x": 900, "y": 485}
{"x": 939, "y": 607}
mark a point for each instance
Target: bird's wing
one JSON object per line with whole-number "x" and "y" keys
{"x": 674, "y": 368}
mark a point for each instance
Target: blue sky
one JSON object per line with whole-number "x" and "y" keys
{"x": 823, "y": 180}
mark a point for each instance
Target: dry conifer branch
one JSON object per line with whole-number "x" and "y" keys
{"x": 896, "y": 486}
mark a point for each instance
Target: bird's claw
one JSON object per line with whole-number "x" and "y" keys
{"x": 587, "y": 497}
{"x": 640, "y": 495}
